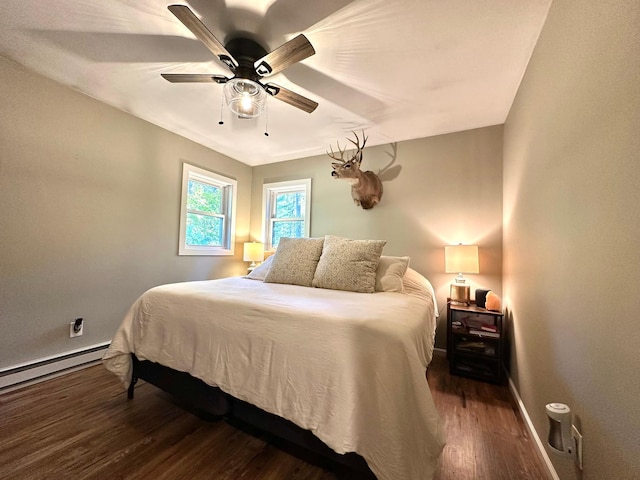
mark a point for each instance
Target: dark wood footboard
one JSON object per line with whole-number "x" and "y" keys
{"x": 277, "y": 430}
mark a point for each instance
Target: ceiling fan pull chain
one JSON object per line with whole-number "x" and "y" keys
{"x": 266, "y": 117}
{"x": 221, "y": 109}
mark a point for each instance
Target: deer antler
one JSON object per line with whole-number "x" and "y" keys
{"x": 341, "y": 151}
{"x": 357, "y": 142}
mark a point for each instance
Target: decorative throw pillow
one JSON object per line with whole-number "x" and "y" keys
{"x": 390, "y": 272}
{"x": 348, "y": 264}
{"x": 295, "y": 261}
{"x": 261, "y": 270}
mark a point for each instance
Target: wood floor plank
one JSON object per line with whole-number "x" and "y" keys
{"x": 81, "y": 426}
{"x": 486, "y": 437}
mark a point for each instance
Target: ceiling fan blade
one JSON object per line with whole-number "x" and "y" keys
{"x": 293, "y": 51}
{"x": 193, "y": 77}
{"x": 292, "y": 98}
{"x": 202, "y": 33}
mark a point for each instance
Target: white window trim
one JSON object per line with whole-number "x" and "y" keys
{"x": 279, "y": 187}
{"x": 192, "y": 172}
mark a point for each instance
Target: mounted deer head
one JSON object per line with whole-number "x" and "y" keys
{"x": 366, "y": 187}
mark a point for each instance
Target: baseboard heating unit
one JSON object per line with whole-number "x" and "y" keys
{"x": 38, "y": 370}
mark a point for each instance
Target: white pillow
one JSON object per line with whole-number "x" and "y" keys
{"x": 348, "y": 264}
{"x": 295, "y": 261}
{"x": 390, "y": 272}
{"x": 261, "y": 270}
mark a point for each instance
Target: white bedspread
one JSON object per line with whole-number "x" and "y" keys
{"x": 350, "y": 367}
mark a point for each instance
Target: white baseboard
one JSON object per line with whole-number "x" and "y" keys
{"x": 532, "y": 431}
{"x": 441, "y": 352}
{"x": 19, "y": 376}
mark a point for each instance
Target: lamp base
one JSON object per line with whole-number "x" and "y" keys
{"x": 460, "y": 294}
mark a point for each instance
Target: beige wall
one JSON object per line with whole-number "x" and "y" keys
{"x": 447, "y": 189}
{"x": 89, "y": 206}
{"x": 571, "y": 231}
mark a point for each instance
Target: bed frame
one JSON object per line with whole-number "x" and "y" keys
{"x": 216, "y": 404}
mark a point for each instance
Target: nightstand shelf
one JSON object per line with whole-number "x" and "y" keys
{"x": 475, "y": 342}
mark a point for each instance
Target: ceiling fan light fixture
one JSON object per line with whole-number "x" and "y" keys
{"x": 244, "y": 97}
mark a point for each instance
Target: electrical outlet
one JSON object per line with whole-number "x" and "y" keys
{"x": 76, "y": 327}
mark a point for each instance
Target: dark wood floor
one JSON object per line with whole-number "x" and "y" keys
{"x": 81, "y": 426}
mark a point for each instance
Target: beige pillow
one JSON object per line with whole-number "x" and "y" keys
{"x": 348, "y": 264}
{"x": 390, "y": 272}
{"x": 295, "y": 261}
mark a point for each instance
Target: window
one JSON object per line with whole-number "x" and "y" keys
{"x": 207, "y": 213}
{"x": 286, "y": 208}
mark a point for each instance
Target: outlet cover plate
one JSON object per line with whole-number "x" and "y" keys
{"x": 72, "y": 333}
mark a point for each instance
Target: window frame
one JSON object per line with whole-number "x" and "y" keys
{"x": 269, "y": 191}
{"x": 229, "y": 201}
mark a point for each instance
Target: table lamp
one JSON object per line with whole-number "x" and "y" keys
{"x": 253, "y": 252}
{"x": 461, "y": 259}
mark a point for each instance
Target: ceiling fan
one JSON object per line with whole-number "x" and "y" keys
{"x": 244, "y": 93}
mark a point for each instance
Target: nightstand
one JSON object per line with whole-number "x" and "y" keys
{"x": 475, "y": 342}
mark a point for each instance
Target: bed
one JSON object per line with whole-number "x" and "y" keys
{"x": 347, "y": 366}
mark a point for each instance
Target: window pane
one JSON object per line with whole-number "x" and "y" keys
{"x": 286, "y": 207}
{"x": 293, "y": 229}
{"x": 204, "y": 197}
{"x": 207, "y": 212}
{"x": 289, "y": 205}
{"x": 203, "y": 230}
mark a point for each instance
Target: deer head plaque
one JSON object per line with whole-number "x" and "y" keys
{"x": 366, "y": 187}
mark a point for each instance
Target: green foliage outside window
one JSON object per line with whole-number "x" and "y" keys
{"x": 205, "y": 219}
{"x": 288, "y": 205}
{"x": 204, "y": 197}
{"x": 293, "y": 229}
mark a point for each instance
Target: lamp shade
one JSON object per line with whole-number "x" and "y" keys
{"x": 461, "y": 259}
{"x": 253, "y": 252}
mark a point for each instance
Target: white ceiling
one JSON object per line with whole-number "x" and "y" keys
{"x": 399, "y": 69}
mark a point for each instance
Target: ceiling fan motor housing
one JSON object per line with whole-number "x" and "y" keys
{"x": 246, "y": 52}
